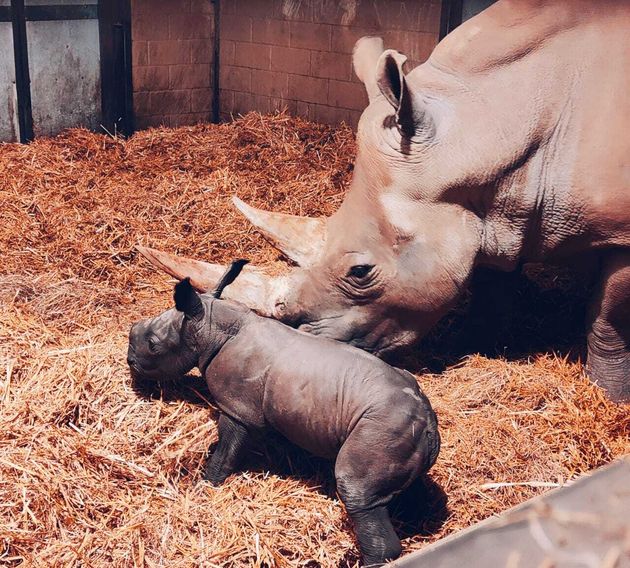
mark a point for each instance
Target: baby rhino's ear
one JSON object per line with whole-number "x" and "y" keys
{"x": 188, "y": 301}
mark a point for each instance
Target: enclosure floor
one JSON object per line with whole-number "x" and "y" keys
{"x": 96, "y": 471}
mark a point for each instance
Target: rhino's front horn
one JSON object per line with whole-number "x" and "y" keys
{"x": 253, "y": 288}
{"x": 300, "y": 238}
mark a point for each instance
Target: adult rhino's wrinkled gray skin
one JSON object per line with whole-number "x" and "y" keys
{"x": 331, "y": 399}
{"x": 509, "y": 144}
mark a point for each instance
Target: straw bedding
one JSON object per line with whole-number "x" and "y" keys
{"x": 95, "y": 471}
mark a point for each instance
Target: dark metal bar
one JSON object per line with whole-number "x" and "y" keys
{"x": 114, "y": 22}
{"x": 216, "y": 91}
{"x": 56, "y": 12}
{"x": 451, "y": 16}
{"x": 106, "y": 18}
{"x": 127, "y": 125}
{"x": 22, "y": 74}
{"x": 53, "y": 12}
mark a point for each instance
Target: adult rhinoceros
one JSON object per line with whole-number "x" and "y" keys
{"x": 510, "y": 144}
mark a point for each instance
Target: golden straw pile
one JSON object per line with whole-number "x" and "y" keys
{"x": 94, "y": 473}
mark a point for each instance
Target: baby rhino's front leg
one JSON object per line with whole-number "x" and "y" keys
{"x": 233, "y": 439}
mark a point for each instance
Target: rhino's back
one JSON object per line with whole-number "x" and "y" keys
{"x": 562, "y": 69}
{"x": 317, "y": 390}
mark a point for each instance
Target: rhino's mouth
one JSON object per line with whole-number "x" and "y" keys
{"x": 394, "y": 346}
{"x": 369, "y": 339}
{"x": 135, "y": 368}
{"x": 140, "y": 375}
{"x": 148, "y": 373}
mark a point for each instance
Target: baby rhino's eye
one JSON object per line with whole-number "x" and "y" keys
{"x": 152, "y": 344}
{"x": 360, "y": 270}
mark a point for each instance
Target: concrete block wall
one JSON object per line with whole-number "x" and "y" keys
{"x": 172, "y": 61}
{"x": 297, "y": 53}
{"x": 293, "y": 54}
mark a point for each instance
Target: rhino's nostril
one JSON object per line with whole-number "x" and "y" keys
{"x": 311, "y": 328}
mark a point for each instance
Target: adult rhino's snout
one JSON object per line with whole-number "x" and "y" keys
{"x": 287, "y": 314}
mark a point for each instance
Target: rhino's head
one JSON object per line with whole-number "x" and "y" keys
{"x": 168, "y": 346}
{"x": 157, "y": 349}
{"x": 392, "y": 260}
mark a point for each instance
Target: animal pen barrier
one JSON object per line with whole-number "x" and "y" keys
{"x": 123, "y": 64}
{"x": 62, "y": 65}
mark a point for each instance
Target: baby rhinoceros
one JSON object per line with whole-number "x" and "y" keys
{"x": 331, "y": 399}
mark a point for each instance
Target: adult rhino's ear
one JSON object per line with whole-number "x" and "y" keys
{"x": 188, "y": 301}
{"x": 391, "y": 81}
{"x": 364, "y": 59}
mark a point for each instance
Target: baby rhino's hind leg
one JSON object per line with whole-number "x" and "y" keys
{"x": 233, "y": 438}
{"x": 378, "y": 541}
{"x": 369, "y": 473}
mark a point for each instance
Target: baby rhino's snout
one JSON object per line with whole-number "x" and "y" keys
{"x": 131, "y": 357}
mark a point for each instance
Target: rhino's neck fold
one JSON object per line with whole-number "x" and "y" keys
{"x": 224, "y": 323}
{"x": 535, "y": 216}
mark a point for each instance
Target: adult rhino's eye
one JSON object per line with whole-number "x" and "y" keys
{"x": 153, "y": 344}
{"x": 360, "y": 271}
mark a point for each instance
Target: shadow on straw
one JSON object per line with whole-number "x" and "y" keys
{"x": 539, "y": 309}
{"x": 419, "y": 510}
{"x": 190, "y": 388}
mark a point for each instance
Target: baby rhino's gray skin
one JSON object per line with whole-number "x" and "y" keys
{"x": 329, "y": 398}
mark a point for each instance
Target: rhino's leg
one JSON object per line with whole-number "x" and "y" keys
{"x": 369, "y": 474}
{"x": 378, "y": 541}
{"x": 608, "y": 362}
{"x": 233, "y": 438}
